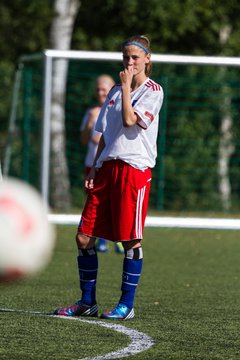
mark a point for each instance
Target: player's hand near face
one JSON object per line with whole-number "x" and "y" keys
{"x": 126, "y": 76}
{"x": 129, "y": 117}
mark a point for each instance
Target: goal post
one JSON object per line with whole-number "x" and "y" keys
{"x": 163, "y": 222}
{"x": 50, "y": 55}
{"x": 190, "y": 94}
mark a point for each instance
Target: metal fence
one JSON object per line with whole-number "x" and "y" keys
{"x": 199, "y": 137}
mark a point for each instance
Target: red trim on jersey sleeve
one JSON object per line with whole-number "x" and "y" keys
{"x": 153, "y": 85}
{"x": 149, "y": 115}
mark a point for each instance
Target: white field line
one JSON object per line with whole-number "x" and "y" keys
{"x": 162, "y": 221}
{"x": 139, "y": 341}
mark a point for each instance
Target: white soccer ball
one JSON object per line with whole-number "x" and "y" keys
{"x": 27, "y": 238}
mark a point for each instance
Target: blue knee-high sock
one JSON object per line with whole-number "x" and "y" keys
{"x": 132, "y": 268}
{"x": 88, "y": 267}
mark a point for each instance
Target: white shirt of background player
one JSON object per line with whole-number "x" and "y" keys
{"x": 89, "y": 136}
{"x": 93, "y": 141}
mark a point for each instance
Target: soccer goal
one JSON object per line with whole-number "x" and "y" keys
{"x": 199, "y": 138}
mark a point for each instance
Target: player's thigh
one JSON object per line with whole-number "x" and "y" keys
{"x": 96, "y": 215}
{"x": 131, "y": 201}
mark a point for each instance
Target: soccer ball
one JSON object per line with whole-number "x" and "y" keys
{"x": 27, "y": 238}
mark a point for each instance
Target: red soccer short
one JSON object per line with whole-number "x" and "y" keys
{"x": 116, "y": 207}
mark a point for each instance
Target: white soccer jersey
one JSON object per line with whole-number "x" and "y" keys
{"x": 136, "y": 145}
{"x": 91, "y": 146}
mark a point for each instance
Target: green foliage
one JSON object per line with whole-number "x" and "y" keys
{"x": 188, "y": 26}
{"x": 7, "y": 80}
{"x": 186, "y": 174}
{"x": 193, "y": 116}
{"x": 24, "y": 27}
{"x": 182, "y": 27}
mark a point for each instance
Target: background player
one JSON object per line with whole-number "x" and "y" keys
{"x": 118, "y": 184}
{"x": 90, "y": 137}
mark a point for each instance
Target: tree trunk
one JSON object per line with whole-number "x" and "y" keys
{"x": 226, "y": 149}
{"x": 226, "y": 146}
{"x": 60, "y": 39}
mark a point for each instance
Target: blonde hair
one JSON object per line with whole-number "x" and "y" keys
{"x": 145, "y": 43}
{"x": 105, "y": 78}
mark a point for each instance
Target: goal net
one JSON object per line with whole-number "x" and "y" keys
{"x": 198, "y": 143}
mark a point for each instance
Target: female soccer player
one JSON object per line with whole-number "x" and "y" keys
{"x": 118, "y": 184}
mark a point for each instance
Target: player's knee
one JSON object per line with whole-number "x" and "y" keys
{"x": 131, "y": 244}
{"x": 84, "y": 241}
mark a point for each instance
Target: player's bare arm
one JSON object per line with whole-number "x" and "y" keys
{"x": 129, "y": 117}
{"x": 95, "y": 139}
{"x": 89, "y": 182}
{"x": 86, "y": 132}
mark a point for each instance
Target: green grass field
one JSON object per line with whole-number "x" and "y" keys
{"x": 187, "y": 301}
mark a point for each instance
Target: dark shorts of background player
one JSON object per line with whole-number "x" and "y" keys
{"x": 116, "y": 207}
